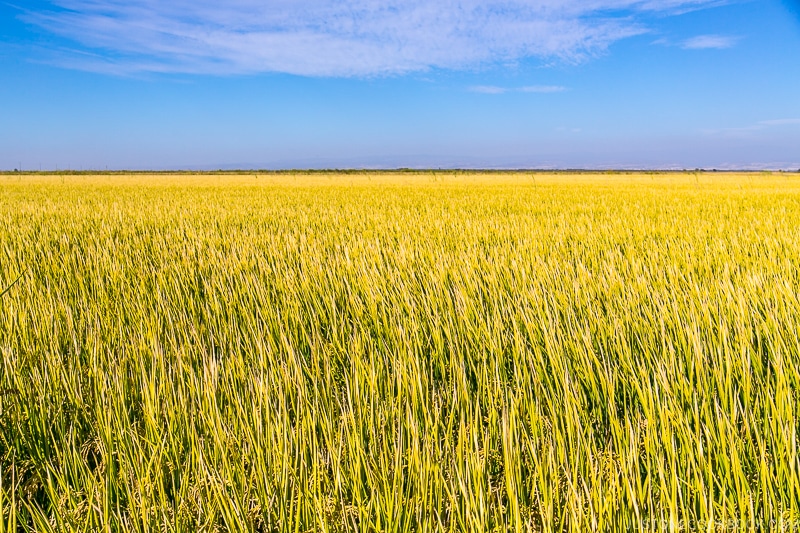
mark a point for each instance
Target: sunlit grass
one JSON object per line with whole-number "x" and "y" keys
{"x": 400, "y": 352}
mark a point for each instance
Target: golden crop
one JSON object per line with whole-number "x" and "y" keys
{"x": 400, "y": 352}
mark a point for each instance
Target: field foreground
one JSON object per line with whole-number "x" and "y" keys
{"x": 400, "y": 352}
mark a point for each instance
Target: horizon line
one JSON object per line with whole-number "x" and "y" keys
{"x": 397, "y": 170}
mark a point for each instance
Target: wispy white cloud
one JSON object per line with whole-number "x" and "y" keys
{"x": 331, "y": 38}
{"x": 488, "y": 89}
{"x": 705, "y": 42}
{"x": 543, "y": 89}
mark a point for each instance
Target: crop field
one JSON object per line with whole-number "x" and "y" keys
{"x": 399, "y": 352}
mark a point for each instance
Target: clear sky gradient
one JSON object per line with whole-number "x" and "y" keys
{"x": 202, "y": 84}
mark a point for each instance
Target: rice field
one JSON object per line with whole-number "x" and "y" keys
{"x": 427, "y": 352}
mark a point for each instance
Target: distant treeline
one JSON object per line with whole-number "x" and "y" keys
{"x": 347, "y": 171}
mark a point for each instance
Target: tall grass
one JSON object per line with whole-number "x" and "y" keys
{"x": 400, "y": 353}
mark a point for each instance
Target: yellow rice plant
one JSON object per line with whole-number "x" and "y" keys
{"x": 400, "y": 352}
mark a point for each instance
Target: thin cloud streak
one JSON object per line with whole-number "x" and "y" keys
{"x": 781, "y": 122}
{"x": 709, "y": 42}
{"x": 749, "y": 131}
{"x": 543, "y": 89}
{"x": 488, "y": 89}
{"x": 325, "y": 38}
{"x": 540, "y": 89}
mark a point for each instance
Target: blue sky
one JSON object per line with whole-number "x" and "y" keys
{"x": 148, "y": 84}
